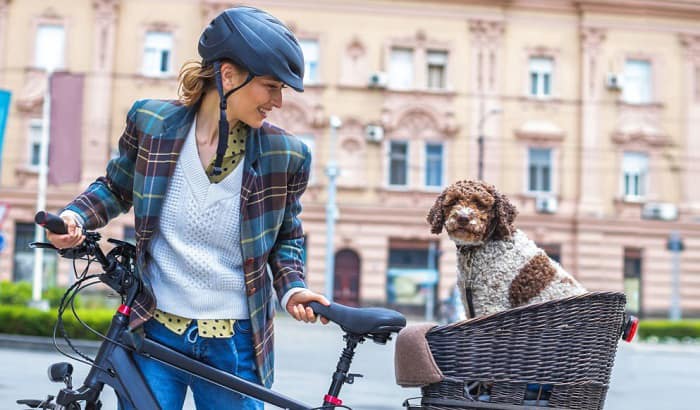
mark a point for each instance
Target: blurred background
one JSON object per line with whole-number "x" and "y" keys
{"x": 584, "y": 112}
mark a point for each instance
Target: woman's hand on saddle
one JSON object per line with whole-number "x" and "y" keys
{"x": 73, "y": 238}
{"x": 297, "y": 306}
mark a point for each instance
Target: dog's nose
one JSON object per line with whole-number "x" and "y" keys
{"x": 463, "y": 219}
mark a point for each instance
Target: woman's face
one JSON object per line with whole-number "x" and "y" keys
{"x": 253, "y": 103}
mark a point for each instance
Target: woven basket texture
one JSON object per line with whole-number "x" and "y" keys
{"x": 568, "y": 345}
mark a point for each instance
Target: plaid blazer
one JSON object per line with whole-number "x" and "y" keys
{"x": 275, "y": 176}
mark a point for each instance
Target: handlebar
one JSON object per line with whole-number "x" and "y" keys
{"x": 118, "y": 271}
{"x": 52, "y": 222}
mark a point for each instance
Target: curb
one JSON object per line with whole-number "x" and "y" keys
{"x": 666, "y": 348}
{"x": 23, "y": 342}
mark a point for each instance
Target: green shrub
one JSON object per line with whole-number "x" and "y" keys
{"x": 15, "y": 293}
{"x": 664, "y": 329}
{"x": 54, "y": 296}
{"x": 33, "y": 322}
{"x": 20, "y": 294}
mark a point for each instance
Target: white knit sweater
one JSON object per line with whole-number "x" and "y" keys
{"x": 196, "y": 266}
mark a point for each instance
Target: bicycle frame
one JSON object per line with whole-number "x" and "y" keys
{"x": 126, "y": 379}
{"x": 115, "y": 366}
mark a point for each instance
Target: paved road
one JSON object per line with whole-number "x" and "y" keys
{"x": 645, "y": 376}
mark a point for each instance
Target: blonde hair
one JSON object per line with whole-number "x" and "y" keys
{"x": 194, "y": 79}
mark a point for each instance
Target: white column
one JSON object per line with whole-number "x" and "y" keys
{"x": 590, "y": 201}
{"x": 98, "y": 93}
{"x": 486, "y": 41}
{"x": 3, "y": 37}
{"x": 690, "y": 169}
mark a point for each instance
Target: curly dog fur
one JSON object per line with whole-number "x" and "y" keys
{"x": 499, "y": 266}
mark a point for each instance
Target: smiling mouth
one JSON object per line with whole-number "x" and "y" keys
{"x": 262, "y": 112}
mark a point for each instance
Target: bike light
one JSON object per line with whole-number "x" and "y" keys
{"x": 630, "y": 328}
{"x": 59, "y": 371}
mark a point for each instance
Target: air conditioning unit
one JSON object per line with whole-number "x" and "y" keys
{"x": 546, "y": 204}
{"x": 614, "y": 81}
{"x": 378, "y": 80}
{"x": 660, "y": 211}
{"x": 374, "y": 133}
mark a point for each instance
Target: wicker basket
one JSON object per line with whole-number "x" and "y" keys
{"x": 556, "y": 354}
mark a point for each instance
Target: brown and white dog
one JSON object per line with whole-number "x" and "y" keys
{"x": 499, "y": 266}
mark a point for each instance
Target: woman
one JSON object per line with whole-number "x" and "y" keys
{"x": 216, "y": 193}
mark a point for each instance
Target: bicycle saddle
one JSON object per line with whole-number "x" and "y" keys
{"x": 361, "y": 321}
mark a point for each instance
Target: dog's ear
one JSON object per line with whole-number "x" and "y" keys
{"x": 436, "y": 216}
{"x": 505, "y": 216}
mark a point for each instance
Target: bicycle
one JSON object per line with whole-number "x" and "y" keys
{"x": 461, "y": 387}
{"x": 114, "y": 364}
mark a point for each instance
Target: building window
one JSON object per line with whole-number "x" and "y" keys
{"x": 540, "y": 170}
{"x": 36, "y": 127}
{"x": 23, "y": 269}
{"x": 633, "y": 279}
{"x": 541, "y": 76}
{"x": 433, "y": 164}
{"x": 635, "y": 167}
{"x": 49, "y": 50}
{"x": 310, "y": 143}
{"x": 401, "y": 68}
{"x": 157, "y": 53}
{"x": 398, "y": 163}
{"x": 413, "y": 269}
{"x": 437, "y": 69}
{"x": 637, "y": 82}
{"x": 311, "y": 60}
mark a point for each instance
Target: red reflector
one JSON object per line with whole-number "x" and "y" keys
{"x": 124, "y": 310}
{"x": 632, "y": 329}
{"x": 332, "y": 400}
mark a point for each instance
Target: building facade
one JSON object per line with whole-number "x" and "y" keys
{"x": 587, "y": 110}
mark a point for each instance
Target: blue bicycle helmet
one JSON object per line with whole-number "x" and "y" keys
{"x": 256, "y": 42}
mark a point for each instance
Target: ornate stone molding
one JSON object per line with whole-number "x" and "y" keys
{"x": 419, "y": 118}
{"x": 487, "y": 33}
{"x": 591, "y": 41}
{"x": 106, "y": 12}
{"x": 106, "y": 8}
{"x": 355, "y": 67}
{"x": 540, "y": 131}
{"x": 592, "y": 38}
{"x": 691, "y": 46}
{"x": 31, "y": 97}
{"x": 300, "y": 115}
{"x": 640, "y": 127}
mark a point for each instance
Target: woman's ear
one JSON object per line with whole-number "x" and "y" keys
{"x": 436, "y": 216}
{"x": 232, "y": 76}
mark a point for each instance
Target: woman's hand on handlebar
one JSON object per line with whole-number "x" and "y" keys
{"x": 73, "y": 238}
{"x": 297, "y": 306}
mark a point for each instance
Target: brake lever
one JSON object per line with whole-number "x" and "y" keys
{"x": 42, "y": 245}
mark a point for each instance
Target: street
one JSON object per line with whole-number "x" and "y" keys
{"x": 645, "y": 377}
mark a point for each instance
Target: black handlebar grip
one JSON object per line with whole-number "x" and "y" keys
{"x": 52, "y": 222}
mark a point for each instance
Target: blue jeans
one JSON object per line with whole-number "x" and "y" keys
{"x": 233, "y": 355}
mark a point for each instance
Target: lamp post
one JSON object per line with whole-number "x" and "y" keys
{"x": 480, "y": 139}
{"x": 676, "y": 246}
{"x": 331, "y": 210}
{"x": 37, "y": 277}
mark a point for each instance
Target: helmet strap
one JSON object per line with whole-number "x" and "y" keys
{"x": 223, "y": 120}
